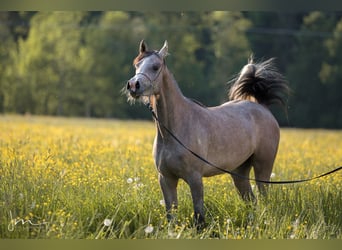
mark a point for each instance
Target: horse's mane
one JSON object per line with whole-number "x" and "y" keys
{"x": 197, "y": 102}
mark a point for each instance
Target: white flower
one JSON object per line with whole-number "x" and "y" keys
{"x": 273, "y": 175}
{"x": 129, "y": 180}
{"x": 107, "y": 222}
{"x": 149, "y": 229}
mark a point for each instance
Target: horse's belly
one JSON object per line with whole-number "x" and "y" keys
{"x": 229, "y": 163}
{"x": 224, "y": 154}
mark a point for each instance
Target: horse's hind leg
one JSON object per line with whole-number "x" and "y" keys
{"x": 264, "y": 156}
{"x": 243, "y": 185}
{"x": 262, "y": 170}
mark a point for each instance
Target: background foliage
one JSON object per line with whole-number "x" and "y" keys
{"x": 76, "y": 63}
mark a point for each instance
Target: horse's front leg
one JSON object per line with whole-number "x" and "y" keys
{"x": 196, "y": 187}
{"x": 168, "y": 186}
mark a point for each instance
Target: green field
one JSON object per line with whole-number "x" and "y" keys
{"x": 71, "y": 178}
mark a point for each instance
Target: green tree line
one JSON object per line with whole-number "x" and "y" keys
{"x": 76, "y": 63}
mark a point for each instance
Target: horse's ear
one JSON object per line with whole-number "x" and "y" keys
{"x": 163, "y": 52}
{"x": 142, "y": 46}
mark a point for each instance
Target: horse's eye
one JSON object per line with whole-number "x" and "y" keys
{"x": 155, "y": 67}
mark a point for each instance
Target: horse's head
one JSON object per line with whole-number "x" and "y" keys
{"x": 148, "y": 72}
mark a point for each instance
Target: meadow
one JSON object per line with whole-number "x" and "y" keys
{"x": 73, "y": 178}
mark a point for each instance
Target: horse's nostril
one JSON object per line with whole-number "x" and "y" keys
{"x": 128, "y": 85}
{"x": 137, "y": 85}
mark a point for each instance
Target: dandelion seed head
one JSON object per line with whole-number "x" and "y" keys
{"x": 273, "y": 175}
{"x": 129, "y": 180}
{"x": 107, "y": 222}
{"x": 162, "y": 202}
{"x": 149, "y": 229}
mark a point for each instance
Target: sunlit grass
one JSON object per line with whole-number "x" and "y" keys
{"x": 95, "y": 179}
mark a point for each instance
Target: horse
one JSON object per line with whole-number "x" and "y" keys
{"x": 237, "y": 135}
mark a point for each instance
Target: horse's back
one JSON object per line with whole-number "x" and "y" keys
{"x": 248, "y": 112}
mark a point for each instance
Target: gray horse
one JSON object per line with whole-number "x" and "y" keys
{"x": 234, "y": 136}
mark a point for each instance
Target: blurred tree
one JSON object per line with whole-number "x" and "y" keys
{"x": 308, "y": 102}
{"x": 272, "y": 34}
{"x": 13, "y": 26}
{"x": 7, "y": 44}
{"x": 46, "y": 63}
{"x": 230, "y": 46}
{"x": 110, "y": 45}
{"x": 331, "y": 76}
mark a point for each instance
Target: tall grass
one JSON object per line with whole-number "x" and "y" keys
{"x": 94, "y": 179}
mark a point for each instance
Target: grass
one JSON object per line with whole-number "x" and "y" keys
{"x": 69, "y": 178}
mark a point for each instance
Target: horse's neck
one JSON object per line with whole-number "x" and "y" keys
{"x": 170, "y": 103}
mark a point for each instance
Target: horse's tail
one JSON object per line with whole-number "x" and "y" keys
{"x": 260, "y": 82}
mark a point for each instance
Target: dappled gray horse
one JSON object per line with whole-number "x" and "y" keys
{"x": 234, "y": 136}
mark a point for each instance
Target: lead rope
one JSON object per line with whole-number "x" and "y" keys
{"x": 230, "y": 172}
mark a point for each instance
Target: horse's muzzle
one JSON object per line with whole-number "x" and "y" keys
{"x": 134, "y": 88}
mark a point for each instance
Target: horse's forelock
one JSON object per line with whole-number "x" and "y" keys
{"x": 143, "y": 55}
